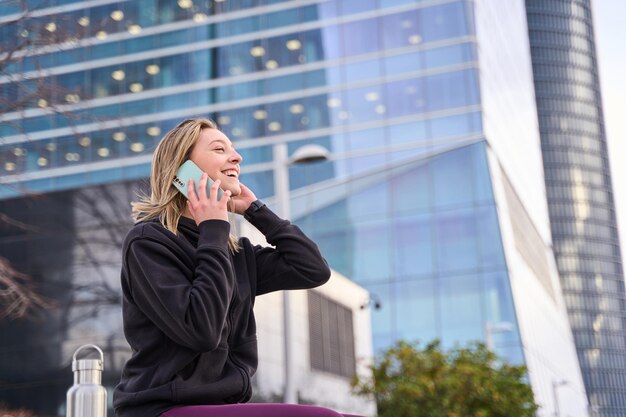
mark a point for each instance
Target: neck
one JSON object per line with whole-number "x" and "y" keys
{"x": 187, "y": 213}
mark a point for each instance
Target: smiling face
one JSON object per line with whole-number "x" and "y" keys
{"x": 214, "y": 154}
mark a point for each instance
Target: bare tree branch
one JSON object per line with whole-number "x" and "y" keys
{"x": 9, "y": 220}
{"x": 17, "y": 297}
{"x": 28, "y": 88}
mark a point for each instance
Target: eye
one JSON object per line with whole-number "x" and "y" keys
{"x": 220, "y": 149}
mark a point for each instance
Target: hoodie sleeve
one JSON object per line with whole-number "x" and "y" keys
{"x": 294, "y": 264}
{"x": 190, "y": 307}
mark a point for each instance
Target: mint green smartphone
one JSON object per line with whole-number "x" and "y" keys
{"x": 190, "y": 171}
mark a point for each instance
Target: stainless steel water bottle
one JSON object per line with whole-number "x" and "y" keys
{"x": 87, "y": 397}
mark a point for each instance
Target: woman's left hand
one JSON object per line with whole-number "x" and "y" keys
{"x": 240, "y": 203}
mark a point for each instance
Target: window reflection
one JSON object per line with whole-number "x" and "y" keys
{"x": 415, "y": 308}
{"x": 371, "y": 202}
{"x": 412, "y": 191}
{"x": 372, "y": 252}
{"x": 498, "y": 307}
{"x": 383, "y": 319}
{"x": 261, "y": 182}
{"x": 406, "y": 97}
{"x": 360, "y": 37}
{"x": 405, "y": 30}
{"x": 413, "y": 245}
{"x": 365, "y": 104}
{"x": 414, "y": 132}
{"x": 335, "y": 244}
{"x": 489, "y": 240}
{"x": 449, "y": 90}
{"x": 456, "y": 240}
{"x": 452, "y": 177}
{"x": 445, "y": 21}
{"x": 460, "y": 308}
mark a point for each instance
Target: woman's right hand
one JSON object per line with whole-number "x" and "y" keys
{"x": 203, "y": 207}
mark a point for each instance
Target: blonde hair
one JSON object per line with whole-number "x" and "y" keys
{"x": 165, "y": 202}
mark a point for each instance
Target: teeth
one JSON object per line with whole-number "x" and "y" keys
{"x": 230, "y": 173}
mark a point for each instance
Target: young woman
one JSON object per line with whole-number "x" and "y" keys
{"x": 189, "y": 286}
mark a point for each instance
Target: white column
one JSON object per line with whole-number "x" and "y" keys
{"x": 281, "y": 192}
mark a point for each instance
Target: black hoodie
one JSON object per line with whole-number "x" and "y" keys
{"x": 187, "y": 308}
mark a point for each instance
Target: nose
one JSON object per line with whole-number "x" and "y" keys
{"x": 236, "y": 157}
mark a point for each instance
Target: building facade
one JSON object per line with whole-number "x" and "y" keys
{"x": 580, "y": 195}
{"x": 433, "y": 196}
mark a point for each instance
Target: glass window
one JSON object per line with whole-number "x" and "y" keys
{"x": 283, "y": 84}
{"x": 245, "y": 25}
{"x": 383, "y": 319}
{"x": 330, "y": 46}
{"x": 366, "y": 163}
{"x": 512, "y": 354}
{"x": 448, "y": 55}
{"x": 317, "y": 78}
{"x": 458, "y": 125}
{"x": 262, "y": 183}
{"x": 405, "y": 30}
{"x": 489, "y": 241}
{"x": 365, "y": 104}
{"x": 391, "y": 3}
{"x": 405, "y": 97}
{"x": 199, "y": 65}
{"x": 9, "y": 130}
{"x": 460, "y": 309}
{"x": 9, "y": 8}
{"x": 412, "y": 191}
{"x": 414, "y": 133}
{"x": 140, "y": 44}
{"x": 450, "y": 90}
{"x": 413, "y": 245}
{"x": 45, "y": 184}
{"x": 366, "y": 139}
{"x": 415, "y": 310}
{"x": 399, "y": 64}
{"x": 36, "y": 123}
{"x": 362, "y": 70}
{"x": 498, "y": 303}
{"x": 334, "y": 244}
{"x": 355, "y": 6}
{"x": 310, "y": 173}
{"x": 319, "y": 44}
{"x": 443, "y": 22}
{"x": 360, "y": 37}
{"x": 453, "y": 178}
{"x": 372, "y": 253}
{"x": 370, "y": 202}
{"x": 456, "y": 240}
{"x": 282, "y": 51}
{"x": 235, "y": 59}
{"x": 331, "y": 217}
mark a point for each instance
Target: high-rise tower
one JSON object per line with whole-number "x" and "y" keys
{"x": 580, "y": 197}
{"x": 433, "y": 197}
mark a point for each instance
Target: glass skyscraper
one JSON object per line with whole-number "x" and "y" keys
{"x": 433, "y": 197}
{"x": 580, "y": 196}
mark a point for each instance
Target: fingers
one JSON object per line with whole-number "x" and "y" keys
{"x": 202, "y": 190}
{"x": 214, "y": 190}
{"x": 202, "y": 186}
{"x": 191, "y": 192}
{"x": 211, "y": 206}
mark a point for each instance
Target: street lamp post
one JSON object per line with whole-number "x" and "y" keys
{"x": 305, "y": 154}
{"x": 555, "y": 386}
{"x": 491, "y": 328}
